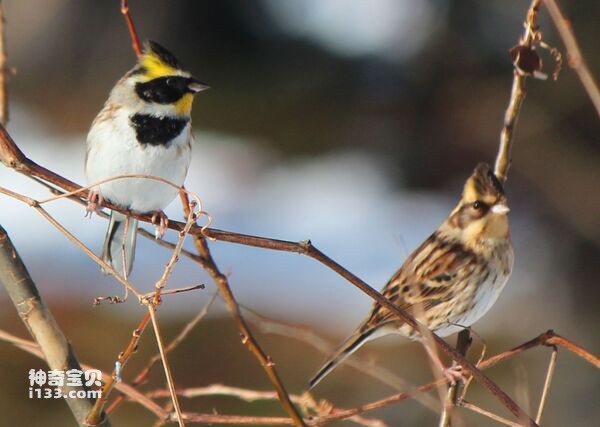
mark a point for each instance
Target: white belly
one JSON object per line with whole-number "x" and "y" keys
{"x": 113, "y": 151}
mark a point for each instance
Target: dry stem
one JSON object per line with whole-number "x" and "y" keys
{"x": 575, "y": 58}
{"x": 547, "y": 381}
{"x": 135, "y": 41}
{"x": 517, "y": 96}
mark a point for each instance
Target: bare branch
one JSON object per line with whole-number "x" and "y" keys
{"x": 135, "y": 41}
{"x": 56, "y": 350}
{"x": 547, "y": 381}
{"x": 517, "y": 96}
{"x": 3, "y": 70}
{"x": 575, "y": 58}
{"x": 166, "y": 366}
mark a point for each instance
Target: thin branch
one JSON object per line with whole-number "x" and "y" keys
{"x": 247, "y": 395}
{"x": 547, "y": 381}
{"x": 167, "y": 368}
{"x": 463, "y": 342}
{"x": 35, "y": 205}
{"x": 135, "y": 41}
{"x": 142, "y": 376}
{"x": 548, "y": 338}
{"x": 3, "y": 69}
{"x": 208, "y": 263}
{"x": 35, "y": 314}
{"x": 517, "y": 96}
{"x": 308, "y": 336}
{"x": 575, "y": 58}
{"x": 112, "y": 380}
{"x": 475, "y": 408}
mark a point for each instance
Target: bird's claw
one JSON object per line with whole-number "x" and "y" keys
{"x": 454, "y": 374}
{"x": 161, "y": 222}
{"x": 95, "y": 201}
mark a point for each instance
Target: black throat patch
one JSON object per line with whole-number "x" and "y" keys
{"x": 157, "y": 130}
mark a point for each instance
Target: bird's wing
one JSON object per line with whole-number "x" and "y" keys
{"x": 429, "y": 276}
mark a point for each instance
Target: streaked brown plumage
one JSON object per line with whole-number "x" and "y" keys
{"x": 453, "y": 278}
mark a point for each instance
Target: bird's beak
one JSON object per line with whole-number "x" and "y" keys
{"x": 195, "y": 86}
{"x": 500, "y": 208}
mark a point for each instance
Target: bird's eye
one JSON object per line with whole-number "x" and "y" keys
{"x": 479, "y": 205}
{"x": 169, "y": 81}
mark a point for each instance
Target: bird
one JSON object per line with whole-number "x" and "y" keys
{"x": 144, "y": 128}
{"x": 451, "y": 280}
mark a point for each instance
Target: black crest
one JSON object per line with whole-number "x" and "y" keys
{"x": 164, "y": 55}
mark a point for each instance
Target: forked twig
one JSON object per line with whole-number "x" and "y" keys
{"x": 143, "y": 374}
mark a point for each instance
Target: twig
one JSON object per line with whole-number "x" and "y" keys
{"x": 547, "y": 381}
{"x": 35, "y": 205}
{"x": 517, "y": 96}
{"x": 575, "y": 58}
{"x": 167, "y": 368}
{"x": 548, "y": 338}
{"x": 3, "y": 69}
{"x": 463, "y": 342}
{"x": 208, "y": 263}
{"x": 475, "y": 408}
{"x": 143, "y": 374}
{"x": 35, "y": 314}
{"x": 135, "y": 41}
{"x": 308, "y": 336}
{"x": 122, "y": 360}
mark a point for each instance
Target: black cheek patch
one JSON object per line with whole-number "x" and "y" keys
{"x": 156, "y": 130}
{"x": 163, "y": 90}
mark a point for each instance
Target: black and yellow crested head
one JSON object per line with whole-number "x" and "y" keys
{"x": 166, "y": 57}
{"x": 159, "y": 79}
{"x": 483, "y": 185}
{"x": 156, "y": 61}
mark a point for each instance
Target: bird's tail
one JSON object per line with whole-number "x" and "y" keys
{"x": 349, "y": 346}
{"x": 119, "y": 249}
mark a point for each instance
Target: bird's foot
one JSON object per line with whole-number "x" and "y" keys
{"x": 161, "y": 222}
{"x": 454, "y": 374}
{"x": 95, "y": 201}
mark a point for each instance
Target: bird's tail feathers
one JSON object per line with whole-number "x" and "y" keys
{"x": 118, "y": 245}
{"x": 353, "y": 343}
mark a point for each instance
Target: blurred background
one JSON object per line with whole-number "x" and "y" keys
{"x": 348, "y": 122}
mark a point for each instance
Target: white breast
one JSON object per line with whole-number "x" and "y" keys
{"x": 112, "y": 150}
